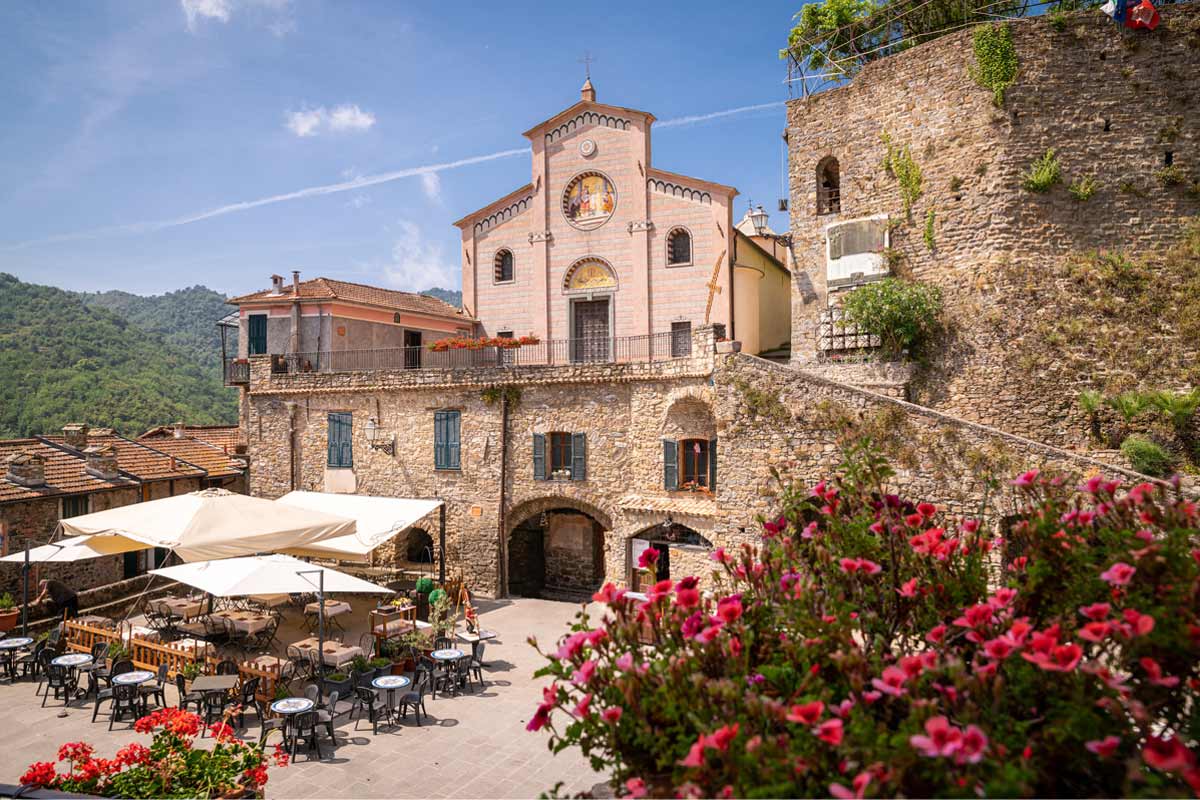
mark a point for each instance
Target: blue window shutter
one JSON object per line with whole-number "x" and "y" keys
{"x": 670, "y": 464}
{"x": 579, "y": 456}
{"x": 439, "y": 440}
{"x": 341, "y": 451}
{"x": 539, "y": 456}
{"x": 712, "y": 465}
{"x": 453, "y": 439}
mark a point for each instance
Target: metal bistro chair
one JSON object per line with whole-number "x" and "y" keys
{"x": 235, "y": 638}
{"x": 248, "y": 698}
{"x": 62, "y": 681}
{"x": 414, "y": 698}
{"x": 157, "y": 690}
{"x": 305, "y": 726}
{"x": 187, "y": 698}
{"x": 367, "y": 698}
{"x": 126, "y": 699}
{"x": 215, "y": 703}
{"x": 265, "y": 639}
{"x": 227, "y": 667}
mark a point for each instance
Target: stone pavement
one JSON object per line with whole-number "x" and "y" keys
{"x": 473, "y": 745}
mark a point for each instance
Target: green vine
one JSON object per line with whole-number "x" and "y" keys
{"x": 899, "y": 163}
{"x": 930, "y": 220}
{"x": 493, "y": 394}
{"x": 995, "y": 65}
{"x": 765, "y": 405}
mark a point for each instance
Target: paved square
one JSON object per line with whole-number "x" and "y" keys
{"x": 472, "y": 745}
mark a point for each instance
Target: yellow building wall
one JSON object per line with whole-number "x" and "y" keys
{"x": 761, "y": 299}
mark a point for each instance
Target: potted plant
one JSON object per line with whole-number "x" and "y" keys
{"x": 8, "y": 612}
{"x": 336, "y": 682}
{"x": 441, "y": 615}
{"x": 361, "y": 671}
{"x": 381, "y": 666}
{"x": 190, "y": 672}
{"x": 424, "y": 587}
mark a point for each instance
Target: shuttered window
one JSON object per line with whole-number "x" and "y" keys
{"x": 446, "y": 442}
{"x": 562, "y": 453}
{"x": 690, "y": 464}
{"x": 256, "y": 340}
{"x": 670, "y": 464}
{"x": 341, "y": 451}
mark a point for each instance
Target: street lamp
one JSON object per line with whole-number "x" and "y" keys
{"x": 758, "y": 218}
{"x": 375, "y": 438}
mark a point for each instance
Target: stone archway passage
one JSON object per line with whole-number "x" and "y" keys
{"x": 682, "y": 551}
{"x": 420, "y": 547}
{"x": 556, "y": 554}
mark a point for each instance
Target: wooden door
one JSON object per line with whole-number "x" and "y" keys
{"x": 591, "y": 330}
{"x": 412, "y": 349}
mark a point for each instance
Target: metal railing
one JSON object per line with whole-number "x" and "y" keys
{"x": 551, "y": 352}
{"x": 236, "y": 372}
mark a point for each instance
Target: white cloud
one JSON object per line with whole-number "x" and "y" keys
{"x": 197, "y": 10}
{"x": 418, "y": 264}
{"x": 359, "y": 201}
{"x": 276, "y": 15}
{"x": 343, "y": 119}
{"x": 305, "y": 123}
{"x": 350, "y": 118}
{"x": 431, "y": 184}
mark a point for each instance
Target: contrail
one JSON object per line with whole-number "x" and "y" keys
{"x": 343, "y": 186}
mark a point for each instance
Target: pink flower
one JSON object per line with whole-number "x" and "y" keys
{"x": 648, "y": 558}
{"x": 1141, "y": 624}
{"x": 892, "y": 681}
{"x": 908, "y": 588}
{"x": 582, "y": 675}
{"x": 861, "y": 781}
{"x": 1095, "y": 631}
{"x": 609, "y": 594}
{"x": 686, "y": 594}
{"x": 999, "y": 648}
{"x": 582, "y": 708}
{"x": 865, "y": 566}
{"x": 729, "y": 608}
{"x": 1155, "y": 673}
{"x": 936, "y": 635}
{"x": 849, "y": 565}
{"x": 572, "y": 645}
{"x": 1168, "y": 755}
{"x": 830, "y": 732}
{"x": 1060, "y": 658}
{"x": 1104, "y": 747}
{"x": 720, "y": 556}
{"x": 974, "y": 745}
{"x": 723, "y": 736}
{"x": 807, "y": 713}
{"x": 926, "y": 510}
{"x": 942, "y": 739}
{"x": 1118, "y": 574}
{"x": 625, "y": 662}
{"x": 976, "y": 616}
{"x": 1096, "y": 611}
{"x": 1026, "y": 480}
{"x": 1002, "y": 598}
{"x": 635, "y": 788}
{"x": 611, "y": 715}
{"x": 695, "y": 756}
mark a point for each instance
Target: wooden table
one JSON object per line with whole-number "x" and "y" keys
{"x": 335, "y": 653}
{"x": 180, "y": 606}
{"x": 246, "y": 621}
{"x": 215, "y": 683}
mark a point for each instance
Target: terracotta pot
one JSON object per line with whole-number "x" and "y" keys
{"x": 8, "y": 619}
{"x": 401, "y": 667}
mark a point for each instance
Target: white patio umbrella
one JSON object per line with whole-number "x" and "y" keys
{"x": 274, "y": 574}
{"x": 377, "y": 519}
{"x": 212, "y": 523}
{"x": 76, "y": 548}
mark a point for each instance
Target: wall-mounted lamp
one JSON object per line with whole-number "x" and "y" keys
{"x": 378, "y": 439}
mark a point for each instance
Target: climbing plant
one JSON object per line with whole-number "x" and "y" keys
{"x": 898, "y": 162}
{"x": 493, "y": 394}
{"x": 1043, "y": 173}
{"x": 930, "y": 220}
{"x": 995, "y": 64}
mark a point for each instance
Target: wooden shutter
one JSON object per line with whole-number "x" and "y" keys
{"x": 257, "y": 334}
{"x": 341, "y": 452}
{"x": 578, "y": 456}
{"x": 453, "y": 438}
{"x": 539, "y": 456}
{"x": 712, "y": 465}
{"x": 440, "y": 459}
{"x": 331, "y": 456}
{"x": 670, "y": 464}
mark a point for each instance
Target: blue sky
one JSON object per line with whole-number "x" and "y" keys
{"x": 127, "y": 124}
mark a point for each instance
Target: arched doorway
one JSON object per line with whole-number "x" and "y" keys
{"x": 556, "y": 552}
{"x": 682, "y": 551}
{"x": 419, "y": 549}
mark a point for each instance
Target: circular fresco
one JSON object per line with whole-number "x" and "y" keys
{"x": 589, "y": 200}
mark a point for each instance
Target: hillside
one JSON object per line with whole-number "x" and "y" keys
{"x": 451, "y": 296}
{"x": 65, "y": 357}
{"x": 185, "y": 318}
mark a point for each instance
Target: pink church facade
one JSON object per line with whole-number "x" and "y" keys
{"x": 600, "y": 244}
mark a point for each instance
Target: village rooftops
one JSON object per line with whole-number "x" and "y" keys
{"x": 321, "y": 290}
{"x": 137, "y": 460}
{"x": 212, "y": 459}
{"x": 65, "y": 473}
{"x": 222, "y": 437}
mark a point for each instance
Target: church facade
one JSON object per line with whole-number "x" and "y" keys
{"x": 600, "y": 244}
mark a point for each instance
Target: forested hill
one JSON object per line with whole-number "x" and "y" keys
{"x": 112, "y": 359}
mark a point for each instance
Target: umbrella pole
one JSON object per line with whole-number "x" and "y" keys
{"x": 25, "y": 592}
{"x": 321, "y": 624}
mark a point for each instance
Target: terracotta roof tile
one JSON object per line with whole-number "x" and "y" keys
{"x": 691, "y": 506}
{"x": 329, "y": 289}
{"x": 222, "y": 437}
{"x": 65, "y": 473}
{"x": 212, "y": 460}
{"x": 139, "y": 460}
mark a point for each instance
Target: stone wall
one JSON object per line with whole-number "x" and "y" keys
{"x": 1115, "y": 104}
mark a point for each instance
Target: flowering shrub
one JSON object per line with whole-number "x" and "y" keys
{"x": 869, "y": 645}
{"x": 169, "y": 767}
{"x": 469, "y": 343}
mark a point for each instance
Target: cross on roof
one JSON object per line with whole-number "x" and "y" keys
{"x": 587, "y": 61}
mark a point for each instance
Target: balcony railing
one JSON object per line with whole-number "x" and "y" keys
{"x": 237, "y": 373}
{"x": 552, "y": 352}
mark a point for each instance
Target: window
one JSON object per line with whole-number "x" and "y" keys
{"x": 567, "y": 459}
{"x": 74, "y": 506}
{"x": 341, "y": 451}
{"x": 256, "y": 334}
{"x": 447, "y": 448}
{"x": 829, "y": 187}
{"x": 679, "y": 247}
{"x": 689, "y": 464}
{"x": 507, "y": 354}
{"x": 502, "y": 266}
{"x": 681, "y": 339}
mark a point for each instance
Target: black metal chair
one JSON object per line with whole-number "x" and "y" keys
{"x": 414, "y": 698}
{"x": 264, "y": 640}
{"x": 126, "y": 699}
{"x": 305, "y": 727}
{"x": 187, "y": 698}
{"x": 326, "y": 713}
{"x": 367, "y": 698}
{"x": 475, "y": 664}
{"x": 443, "y": 643}
{"x": 62, "y": 681}
{"x": 227, "y": 667}
{"x": 215, "y": 703}
{"x": 157, "y": 690}
{"x": 248, "y": 698}
{"x": 27, "y": 663}
{"x": 236, "y": 639}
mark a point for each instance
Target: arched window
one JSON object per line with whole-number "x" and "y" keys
{"x": 679, "y": 247}
{"x": 829, "y": 186}
{"x": 502, "y": 266}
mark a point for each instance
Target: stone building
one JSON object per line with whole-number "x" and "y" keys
{"x": 49, "y": 478}
{"x": 603, "y": 245}
{"x": 1028, "y": 324}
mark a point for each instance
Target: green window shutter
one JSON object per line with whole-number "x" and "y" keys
{"x": 712, "y": 465}
{"x": 256, "y": 325}
{"x": 579, "y": 456}
{"x": 453, "y": 439}
{"x": 341, "y": 450}
{"x": 539, "y": 456}
{"x": 670, "y": 464}
{"x": 439, "y": 440}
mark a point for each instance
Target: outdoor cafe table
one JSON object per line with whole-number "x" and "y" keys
{"x": 181, "y": 606}
{"x": 449, "y": 656}
{"x": 195, "y": 646}
{"x": 247, "y": 621}
{"x": 391, "y": 683}
{"x": 215, "y": 683}
{"x": 135, "y": 677}
{"x": 73, "y": 661}
{"x": 333, "y": 608}
{"x": 141, "y": 632}
{"x": 474, "y": 639}
{"x": 335, "y": 653}
{"x": 9, "y": 648}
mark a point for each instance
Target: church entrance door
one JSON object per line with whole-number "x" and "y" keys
{"x": 590, "y": 330}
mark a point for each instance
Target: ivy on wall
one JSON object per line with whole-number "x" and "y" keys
{"x": 995, "y": 64}
{"x": 930, "y": 223}
{"x": 898, "y": 162}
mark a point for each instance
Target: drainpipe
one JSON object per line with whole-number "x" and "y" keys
{"x": 291, "y": 407}
{"x": 502, "y": 572}
{"x": 295, "y": 339}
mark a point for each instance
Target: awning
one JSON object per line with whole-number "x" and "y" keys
{"x": 77, "y": 548}
{"x": 377, "y": 519}
{"x": 275, "y": 574}
{"x": 213, "y": 523}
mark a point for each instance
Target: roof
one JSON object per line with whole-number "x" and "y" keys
{"x": 508, "y": 198}
{"x": 213, "y": 460}
{"x": 697, "y": 506}
{"x": 223, "y": 437}
{"x": 655, "y": 172}
{"x": 65, "y": 473}
{"x": 749, "y": 240}
{"x": 330, "y": 289}
{"x": 588, "y": 104}
{"x": 138, "y": 460}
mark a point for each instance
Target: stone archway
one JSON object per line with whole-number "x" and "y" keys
{"x": 419, "y": 547}
{"x": 683, "y": 551}
{"x": 556, "y": 549}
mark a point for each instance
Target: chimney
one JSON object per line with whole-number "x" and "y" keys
{"x": 26, "y": 469}
{"x": 588, "y": 93}
{"x": 75, "y": 435}
{"x": 276, "y": 284}
{"x": 295, "y": 283}
{"x": 178, "y": 431}
{"x": 102, "y": 461}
